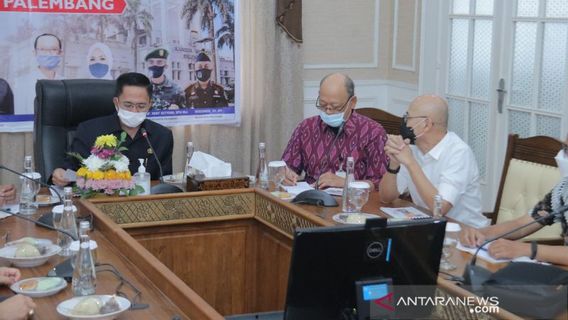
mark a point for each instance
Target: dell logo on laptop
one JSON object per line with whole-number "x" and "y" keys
{"x": 375, "y": 250}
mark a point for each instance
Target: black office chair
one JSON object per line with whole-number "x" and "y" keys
{"x": 60, "y": 105}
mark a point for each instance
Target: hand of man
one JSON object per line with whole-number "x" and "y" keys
{"x": 399, "y": 150}
{"x": 329, "y": 179}
{"x": 58, "y": 177}
{"x": 508, "y": 249}
{"x": 9, "y": 276}
{"x": 291, "y": 177}
{"x": 17, "y": 307}
{"x": 7, "y": 193}
{"x": 471, "y": 237}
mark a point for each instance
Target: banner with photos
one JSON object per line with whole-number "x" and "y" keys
{"x": 188, "y": 49}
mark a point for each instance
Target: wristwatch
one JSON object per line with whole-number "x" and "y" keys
{"x": 393, "y": 171}
{"x": 534, "y": 249}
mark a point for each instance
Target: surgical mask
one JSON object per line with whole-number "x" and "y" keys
{"x": 156, "y": 71}
{"x": 131, "y": 119}
{"x": 98, "y": 70}
{"x": 48, "y": 61}
{"x": 203, "y": 74}
{"x": 408, "y": 133}
{"x": 332, "y": 120}
{"x": 562, "y": 162}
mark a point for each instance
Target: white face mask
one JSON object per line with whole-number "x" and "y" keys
{"x": 131, "y": 119}
{"x": 562, "y": 163}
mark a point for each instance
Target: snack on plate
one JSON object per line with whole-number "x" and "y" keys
{"x": 26, "y": 250}
{"x": 110, "y": 306}
{"x": 89, "y": 306}
{"x": 30, "y": 285}
{"x": 43, "y": 198}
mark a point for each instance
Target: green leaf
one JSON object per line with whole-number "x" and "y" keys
{"x": 76, "y": 156}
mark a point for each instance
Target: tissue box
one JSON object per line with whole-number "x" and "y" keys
{"x": 201, "y": 183}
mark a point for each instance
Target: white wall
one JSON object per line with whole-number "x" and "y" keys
{"x": 375, "y": 42}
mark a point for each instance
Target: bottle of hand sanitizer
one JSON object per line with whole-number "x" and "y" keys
{"x": 142, "y": 178}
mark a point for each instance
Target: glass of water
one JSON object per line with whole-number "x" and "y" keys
{"x": 277, "y": 172}
{"x": 450, "y": 242}
{"x": 28, "y": 192}
{"x": 358, "y": 194}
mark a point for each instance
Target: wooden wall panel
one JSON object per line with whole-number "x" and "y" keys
{"x": 210, "y": 258}
{"x": 273, "y": 264}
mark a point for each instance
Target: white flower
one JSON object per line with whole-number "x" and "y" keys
{"x": 121, "y": 165}
{"x": 94, "y": 163}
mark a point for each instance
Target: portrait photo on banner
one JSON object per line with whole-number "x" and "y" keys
{"x": 189, "y": 49}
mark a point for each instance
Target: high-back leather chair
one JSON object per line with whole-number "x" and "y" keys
{"x": 529, "y": 172}
{"x": 60, "y": 106}
{"x": 389, "y": 121}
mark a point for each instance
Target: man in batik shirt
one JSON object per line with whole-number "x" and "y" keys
{"x": 320, "y": 145}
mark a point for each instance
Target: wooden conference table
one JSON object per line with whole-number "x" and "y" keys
{"x": 202, "y": 255}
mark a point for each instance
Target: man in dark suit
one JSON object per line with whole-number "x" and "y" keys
{"x": 132, "y": 101}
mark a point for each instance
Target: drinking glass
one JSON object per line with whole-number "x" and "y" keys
{"x": 277, "y": 172}
{"x": 450, "y": 242}
{"x": 358, "y": 194}
{"x": 28, "y": 192}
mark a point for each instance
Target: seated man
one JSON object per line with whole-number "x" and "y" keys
{"x": 320, "y": 145}
{"x": 439, "y": 164}
{"x": 132, "y": 102}
{"x": 553, "y": 202}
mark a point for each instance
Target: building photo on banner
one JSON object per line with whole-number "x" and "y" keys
{"x": 188, "y": 49}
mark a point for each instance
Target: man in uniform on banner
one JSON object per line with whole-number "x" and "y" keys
{"x": 167, "y": 94}
{"x": 205, "y": 93}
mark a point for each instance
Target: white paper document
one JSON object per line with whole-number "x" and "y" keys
{"x": 298, "y": 188}
{"x": 408, "y": 213}
{"x": 484, "y": 254}
{"x": 304, "y": 186}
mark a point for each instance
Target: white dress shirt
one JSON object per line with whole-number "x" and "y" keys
{"x": 451, "y": 168}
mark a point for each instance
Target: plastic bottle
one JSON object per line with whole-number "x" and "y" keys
{"x": 142, "y": 178}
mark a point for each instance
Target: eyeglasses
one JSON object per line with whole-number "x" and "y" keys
{"x": 405, "y": 117}
{"x": 134, "y": 305}
{"x": 136, "y": 106}
{"x": 565, "y": 149}
{"x": 326, "y": 107}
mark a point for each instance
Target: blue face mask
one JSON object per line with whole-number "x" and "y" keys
{"x": 98, "y": 70}
{"x": 48, "y": 62}
{"x": 332, "y": 120}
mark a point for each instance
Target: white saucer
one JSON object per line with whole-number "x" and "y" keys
{"x": 16, "y": 287}
{"x": 353, "y": 217}
{"x": 65, "y": 308}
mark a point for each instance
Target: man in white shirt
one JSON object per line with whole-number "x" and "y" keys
{"x": 439, "y": 163}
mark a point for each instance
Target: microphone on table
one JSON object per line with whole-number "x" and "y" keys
{"x": 162, "y": 187}
{"x": 475, "y": 275}
{"x": 318, "y": 197}
{"x": 62, "y": 270}
{"x": 46, "y": 219}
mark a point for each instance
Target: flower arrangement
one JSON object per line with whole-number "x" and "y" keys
{"x": 106, "y": 169}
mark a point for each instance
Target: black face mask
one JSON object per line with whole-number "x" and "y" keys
{"x": 407, "y": 132}
{"x": 156, "y": 71}
{"x": 203, "y": 74}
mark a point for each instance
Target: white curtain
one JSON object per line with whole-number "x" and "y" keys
{"x": 271, "y": 103}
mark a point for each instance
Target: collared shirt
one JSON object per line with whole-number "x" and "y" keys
{"x": 165, "y": 94}
{"x": 160, "y": 137}
{"x": 311, "y": 148}
{"x": 451, "y": 168}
